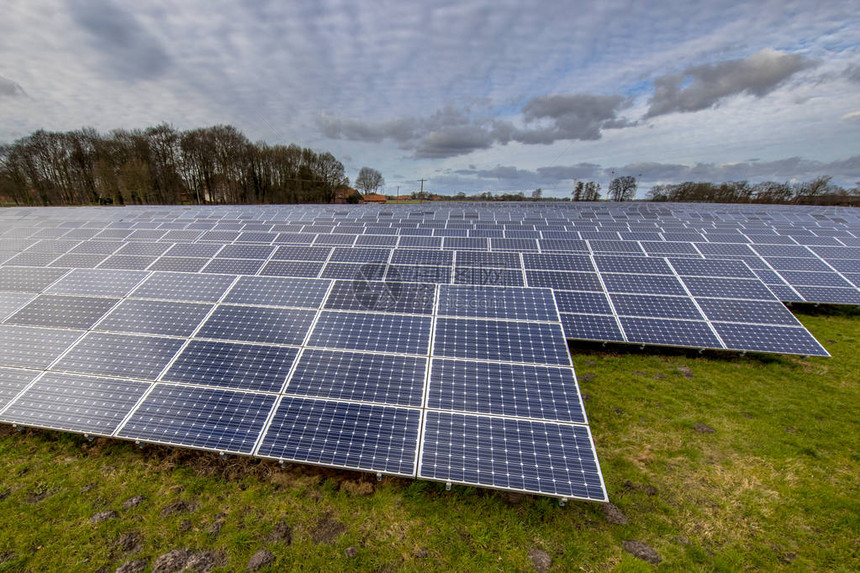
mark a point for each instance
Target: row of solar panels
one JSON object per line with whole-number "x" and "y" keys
{"x": 677, "y": 302}
{"x": 792, "y": 273}
{"x": 437, "y": 393}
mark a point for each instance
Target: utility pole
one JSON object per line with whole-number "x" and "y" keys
{"x": 421, "y": 193}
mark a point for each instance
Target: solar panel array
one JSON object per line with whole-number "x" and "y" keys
{"x": 418, "y": 341}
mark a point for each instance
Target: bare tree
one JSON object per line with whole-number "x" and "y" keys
{"x": 537, "y": 194}
{"x": 622, "y": 188}
{"x": 369, "y": 180}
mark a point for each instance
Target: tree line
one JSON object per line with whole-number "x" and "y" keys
{"x": 818, "y": 191}
{"x": 163, "y": 165}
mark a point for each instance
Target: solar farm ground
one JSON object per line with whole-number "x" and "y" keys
{"x": 717, "y": 463}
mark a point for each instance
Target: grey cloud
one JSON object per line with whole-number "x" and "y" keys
{"x": 852, "y": 73}
{"x": 8, "y": 88}
{"x": 400, "y": 130}
{"x": 452, "y": 141}
{"x": 578, "y": 171}
{"x": 450, "y": 132}
{"x": 128, "y": 49}
{"x": 704, "y": 86}
{"x": 560, "y": 177}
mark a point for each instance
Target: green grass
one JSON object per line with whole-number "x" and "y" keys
{"x": 774, "y": 488}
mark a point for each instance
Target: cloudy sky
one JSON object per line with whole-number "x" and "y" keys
{"x": 472, "y": 96}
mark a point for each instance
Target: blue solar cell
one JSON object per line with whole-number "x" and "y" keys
{"x": 12, "y": 381}
{"x": 689, "y": 333}
{"x": 582, "y": 302}
{"x": 62, "y": 311}
{"x": 120, "y": 355}
{"x": 178, "y": 264}
{"x": 513, "y": 245}
{"x": 296, "y": 238}
{"x": 497, "y": 302}
{"x": 254, "y": 367}
{"x": 426, "y": 242}
{"x": 257, "y": 324}
{"x": 488, "y": 276}
{"x": 273, "y": 291}
{"x": 488, "y": 260}
{"x": 798, "y": 264}
{"x": 245, "y": 252}
{"x": 421, "y": 257}
{"x": 301, "y": 253}
{"x": 373, "y": 332}
{"x": 221, "y": 420}
{"x": 412, "y": 298}
{"x": 153, "y": 249}
{"x": 351, "y": 255}
{"x": 418, "y": 273}
{"x": 11, "y": 302}
{"x": 769, "y": 338}
{"x": 361, "y": 377}
{"x": 591, "y": 327}
{"x": 154, "y": 317}
{"x": 292, "y": 269}
{"x": 354, "y": 271}
{"x": 379, "y": 439}
{"x": 33, "y": 347}
{"x": 127, "y": 262}
{"x": 334, "y": 239}
{"x": 376, "y": 240}
{"x": 474, "y": 243}
{"x": 655, "y": 306}
{"x": 536, "y": 457}
{"x": 233, "y": 266}
{"x": 78, "y": 261}
{"x": 564, "y": 280}
{"x": 543, "y": 392}
{"x": 604, "y": 246}
{"x": 752, "y": 311}
{"x": 728, "y": 288}
{"x": 75, "y": 403}
{"x": 829, "y": 294}
{"x": 98, "y": 282}
{"x": 711, "y": 268}
{"x": 643, "y": 265}
{"x": 643, "y": 284}
{"x": 557, "y": 262}
{"x": 184, "y": 286}
{"x": 529, "y": 342}
{"x": 26, "y": 279}
{"x": 823, "y": 279}
{"x": 563, "y": 245}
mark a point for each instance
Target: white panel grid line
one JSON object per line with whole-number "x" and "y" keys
{"x": 608, "y": 298}
{"x": 696, "y": 303}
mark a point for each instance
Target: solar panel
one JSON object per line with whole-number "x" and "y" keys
{"x": 84, "y": 404}
{"x": 28, "y": 347}
{"x": 380, "y": 378}
{"x": 25, "y": 279}
{"x": 492, "y": 350}
{"x": 497, "y": 302}
{"x": 220, "y": 420}
{"x": 62, "y": 311}
{"x": 529, "y": 342}
{"x": 155, "y": 317}
{"x": 523, "y": 455}
{"x": 381, "y": 439}
{"x": 412, "y": 298}
{"x": 257, "y": 324}
{"x": 405, "y": 334}
{"x": 270, "y": 291}
{"x": 517, "y": 390}
{"x": 688, "y": 333}
{"x": 119, "y": 355}
{"x": 254, "y": 367}
{"x": 12, "y": 381}
{"x": 98, "y": 282}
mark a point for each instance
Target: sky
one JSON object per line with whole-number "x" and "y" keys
{"x": 501, "y": 96}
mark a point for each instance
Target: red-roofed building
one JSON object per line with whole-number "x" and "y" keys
{"x": 374, "y": 198}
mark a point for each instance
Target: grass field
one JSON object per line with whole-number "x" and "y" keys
{"x": 776, "y": 486}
